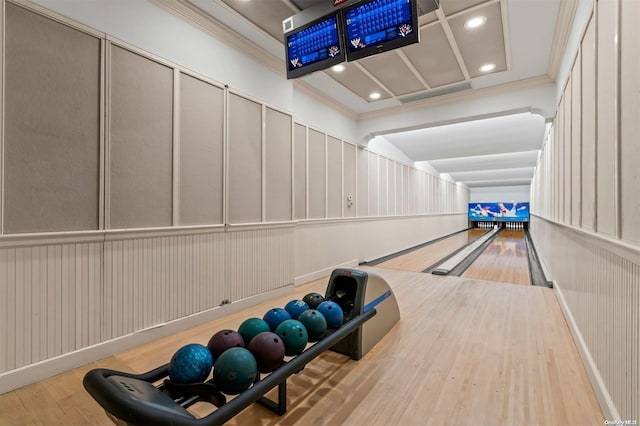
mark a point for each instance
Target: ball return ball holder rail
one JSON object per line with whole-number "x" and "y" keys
{"x": 134, "y": 399}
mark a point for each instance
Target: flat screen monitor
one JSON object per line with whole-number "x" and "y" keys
{"x": 376, "y": 26}
{"x": 499, "y": 212}
{"x": 315, "y": 46}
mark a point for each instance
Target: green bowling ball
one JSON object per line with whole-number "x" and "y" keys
{"x": 235, "y": 371}
{"x": 251, "y": 327}
{"x": 294, "y": 335}
{"x": 315, "y": 323}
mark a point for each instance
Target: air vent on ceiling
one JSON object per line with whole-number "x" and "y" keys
{"x": 427, "y": 6}
{"x": 433, "y": 93}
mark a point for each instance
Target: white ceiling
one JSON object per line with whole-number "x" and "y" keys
{"x": 518, "y": 37}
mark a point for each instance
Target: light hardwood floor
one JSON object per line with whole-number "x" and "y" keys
{"x": 504, "y": 260}
{"x": 465, "y": 352}
{"x": 420, "y": 259}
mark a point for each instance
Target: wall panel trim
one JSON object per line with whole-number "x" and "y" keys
{"x": 603, "y": 396}
{"x": 23, "y": 376}
{"x": 621, "y": 248}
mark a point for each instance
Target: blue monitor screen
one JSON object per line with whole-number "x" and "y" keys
{"x": 499, "y": 212}
{"x": 314, "y": 47}
{"x": 376, "y": 26}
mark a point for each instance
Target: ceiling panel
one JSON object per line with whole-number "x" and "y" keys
{"x": 390, "y": 70}
{"x": 497, "y": 135}
{"x": 487, "y": 162}
{"x": 433, "y": 57}
{"x": 449, "y": 7}
{"x": 481, "y": 45}
{"x": 496, "y": 152}
{"x": 266, "y": 14}
{"x": 427, "y": 18}
{"x": 500, "y": 182}
{"x": 356, "y": 80}
{"x": 487, "y": 175}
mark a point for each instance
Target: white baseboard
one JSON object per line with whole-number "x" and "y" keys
{"x": 303, "y": 279}
{"x": 29, "y": 374}
{"x": 609, "y": 409}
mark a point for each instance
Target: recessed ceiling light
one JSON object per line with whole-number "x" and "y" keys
{"x": 475, "y": 22}
{"x": 338, "y": 68}
{"x": 487, "y": 67}
{"x": 374, "y": 95}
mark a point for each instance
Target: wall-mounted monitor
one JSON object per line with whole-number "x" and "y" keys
{"x": 376, "y": 26}
{"x": 315, "y": 46}
{"x": 499, "y": 212}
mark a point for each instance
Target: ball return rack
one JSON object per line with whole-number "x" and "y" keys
{"x": 151, "y": 398}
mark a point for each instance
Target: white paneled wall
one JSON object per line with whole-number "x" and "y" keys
{"x": 585, "y": 204}
{"x": 70, "y": 298}
{"x": 321, "y": 246}
{"x": 50, "y": 301}
{"x": 598, "y": 281}
{"x": 61, "y": 298}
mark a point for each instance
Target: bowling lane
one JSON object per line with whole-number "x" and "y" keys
{"x": 420, "y": 259}
{"x": 504, "y": 260}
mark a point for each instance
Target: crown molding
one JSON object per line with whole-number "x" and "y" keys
{"x": 214, "y": 27}
{"x": 455, "y": 97}
{"x": 321, "y": 97}
{"x": 561, "y": 36}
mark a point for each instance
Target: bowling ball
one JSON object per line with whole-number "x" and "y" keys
{"x": 315, "y": 324}
{"x": 294, "y": 336}
{"x": 223, "y": 340}
{"x": 235, "y": 371}
{"x": 190, "y": 364}
{"x": 251, "y": 327}
{"x": 268, "y": 349}
{"x": 275, "y": 316}
{"x": 332, "y": 312}
{"x": 313, "y": 300}
{"x": 295, "y": 308}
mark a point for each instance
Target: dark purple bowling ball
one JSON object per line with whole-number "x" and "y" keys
{"x": 268, "y": 349}
{"x": 223, "y": 340}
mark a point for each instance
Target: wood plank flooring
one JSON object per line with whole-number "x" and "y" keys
{"x": 420, "y": 259}
{"x": 504, "y": 260}
{"x": 465, "y": 352}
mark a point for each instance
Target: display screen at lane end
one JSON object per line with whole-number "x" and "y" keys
{"x": 499, "y": 212}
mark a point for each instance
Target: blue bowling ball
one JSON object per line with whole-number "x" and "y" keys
{"x": 295, "y": 308}
{"x": 332, "y": 312}
{"x": 275, "y": 316}
{"x": 190, "y": 364}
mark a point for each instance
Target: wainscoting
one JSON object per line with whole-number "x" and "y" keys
{"x": 60, "y": 298}
{"x": 597, "y": 281}
{"x": 69, "y": 299}
{"x": 323, "y": 245}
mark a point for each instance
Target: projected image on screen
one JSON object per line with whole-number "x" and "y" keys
{"x": 499, "y": 212}
{"x": 318, "y": 42}
{"x": 377, "y": 22}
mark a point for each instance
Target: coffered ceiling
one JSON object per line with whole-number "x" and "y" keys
{"x": 517, "y": 37}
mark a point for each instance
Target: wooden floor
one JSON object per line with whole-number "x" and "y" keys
{"x": 465, "y": 352}
{"x": 504, "y": 260}
{"x": 420, "y": 259}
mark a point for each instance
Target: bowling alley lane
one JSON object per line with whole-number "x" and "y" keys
{"x": 504, "y": 260}
{"x": 420, "y": 259}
